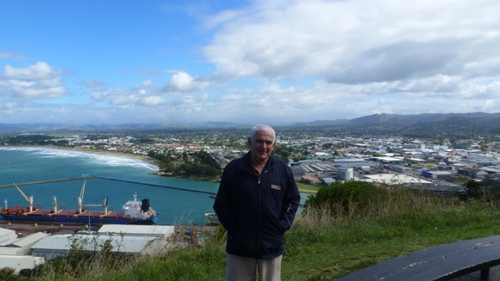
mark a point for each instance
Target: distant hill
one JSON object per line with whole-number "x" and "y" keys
{"x": 418, "y": 125}
{"x": 451, "y": 124}
{"x": 61, "y": 128}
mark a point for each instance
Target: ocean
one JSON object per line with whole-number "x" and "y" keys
{"x": 29, "y": 164}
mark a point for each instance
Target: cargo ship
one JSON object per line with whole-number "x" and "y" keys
{"x": 133, "y": 212}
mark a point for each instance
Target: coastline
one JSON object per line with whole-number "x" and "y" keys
{"x": 144, "y": 158}
{"x": 92, "y": 151}
{"x": 108, "y": 152}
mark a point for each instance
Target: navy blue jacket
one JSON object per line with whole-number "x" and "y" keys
{"x": 255, "y": 211}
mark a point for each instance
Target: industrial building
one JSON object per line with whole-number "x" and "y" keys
{"x": 15, "y": 251}
{"x": 125, "y": 239}
{"x": 395, "y": 179}
{"x": 437, "y": 174}
{"x": 34, "y": 249}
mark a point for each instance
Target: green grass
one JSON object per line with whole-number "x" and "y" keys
{"x": 325, "y": 244}
{"x": 307, "y": 188}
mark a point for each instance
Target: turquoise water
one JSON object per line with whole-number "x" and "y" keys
{"x": 19, "y": 165}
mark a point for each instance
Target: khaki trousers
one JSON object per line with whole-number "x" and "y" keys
{"x": 245, "y": 269}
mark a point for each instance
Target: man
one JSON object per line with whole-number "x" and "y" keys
{"x": 256, "y": 203}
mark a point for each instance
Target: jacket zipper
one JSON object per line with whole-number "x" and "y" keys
{"x": 259, "y": 194}
{"x": 262, "y": 174}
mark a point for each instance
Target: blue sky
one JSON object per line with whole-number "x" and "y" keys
{"x": 271, "y": 61}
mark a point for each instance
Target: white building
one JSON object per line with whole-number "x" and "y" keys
{"x": 394, "y": 179}
{"x": 129, "y": 239}
{"x": 55, "y": 246}
{"x": 7, "y": 234}
{"x": 155, "y": 231}
{"x": 20, "y": 262}
{"x": 15, "y": 252}
{"x": 345, "y": 174}
{"x": 21, "y": 246}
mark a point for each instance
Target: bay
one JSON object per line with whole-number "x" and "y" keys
{"x": 29, "y": 164}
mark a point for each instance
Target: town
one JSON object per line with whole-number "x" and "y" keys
{"x": 436, "y": 165}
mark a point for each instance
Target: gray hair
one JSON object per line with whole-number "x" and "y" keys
{"x": 262, "y": 128}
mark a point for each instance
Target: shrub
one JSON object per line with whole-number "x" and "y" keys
{"x": 349, "y": 198}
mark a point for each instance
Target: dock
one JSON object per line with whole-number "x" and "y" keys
{"x": 46, "y": 181}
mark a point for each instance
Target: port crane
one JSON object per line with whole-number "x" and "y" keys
{"x": 81, "y": 205}
{"x": 80, "y": 198}
{"x": 29, "y": 199}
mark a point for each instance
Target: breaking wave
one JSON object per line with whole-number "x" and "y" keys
{"x": 100, "y": 158}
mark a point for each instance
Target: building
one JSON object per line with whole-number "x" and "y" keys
{"x": 400, "y": 169}
{"x": 395, "y": 179}
{"x": 437, "y": 174}
{"x": 473, "y": 173}
{"x": 388, "y": 160}
{"x": 297, "y": 170}
{"x": 154, "y": 231}
{"x": 20, "y": 262}
{"x": 309, "y": 179}
{"x": 327, "y": 181}
{"x": 7, "y": 234}
{"x": 55, "y": 246}
{"x": 15, "y": 251}
{"x": 21, "y": 246}
{"x": 124, "y": 239}
{"x": 345, "y": 174}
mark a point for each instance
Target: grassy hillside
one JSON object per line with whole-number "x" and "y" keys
{"x": 329, "y": 241}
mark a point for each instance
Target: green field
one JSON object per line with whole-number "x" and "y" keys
{"x": 307, "y": 188}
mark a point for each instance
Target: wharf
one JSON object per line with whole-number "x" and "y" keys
{"x": 46, "y": 181}
{"x": 25, "y": 228}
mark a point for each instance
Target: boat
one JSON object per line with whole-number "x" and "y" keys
{"x": 133, "y": 212}
{"x": 212, "y": 218}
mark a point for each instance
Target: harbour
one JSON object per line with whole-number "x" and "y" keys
{"x": 178, "y": 201}
{"x": 44, "y": 173}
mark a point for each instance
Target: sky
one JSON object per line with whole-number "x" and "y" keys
{"x": 245, "y": 61}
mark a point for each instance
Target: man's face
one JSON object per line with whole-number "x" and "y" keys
{"x": 262, "y": 146}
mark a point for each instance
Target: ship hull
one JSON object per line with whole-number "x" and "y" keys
{"x": 82, "y": 220}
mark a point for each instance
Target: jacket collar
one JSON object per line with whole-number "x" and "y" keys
{"x": 246, "y": 164}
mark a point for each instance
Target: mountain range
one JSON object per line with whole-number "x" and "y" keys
{"x": 429, "y": 124}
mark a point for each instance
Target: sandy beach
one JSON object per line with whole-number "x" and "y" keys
{"x": 109, "y": 152}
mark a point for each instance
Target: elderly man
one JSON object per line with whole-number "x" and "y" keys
{"x": 256, "y": 203}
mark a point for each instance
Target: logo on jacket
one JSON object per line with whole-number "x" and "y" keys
{"x": 275, "y": 187}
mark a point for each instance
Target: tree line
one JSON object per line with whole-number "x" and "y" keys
{"x": 199, "y": 164}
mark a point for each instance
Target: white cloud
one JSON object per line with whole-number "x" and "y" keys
{"x": 140, "y": 95}
{"x": 153, "y": 100}
{"x": 183, "y": 82}
{"x": 38, "y": 81}
{"x": 40, "y": 70}
{"x": 357, "y": 41}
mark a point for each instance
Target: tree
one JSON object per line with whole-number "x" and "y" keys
{"x": 473, "y": 189}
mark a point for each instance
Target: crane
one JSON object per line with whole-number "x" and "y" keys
{"x": 80, "y": 198}
{"x": 54, "y": 204}
{"x": 29, "y": 199}
{"x": 81, "y": 205}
